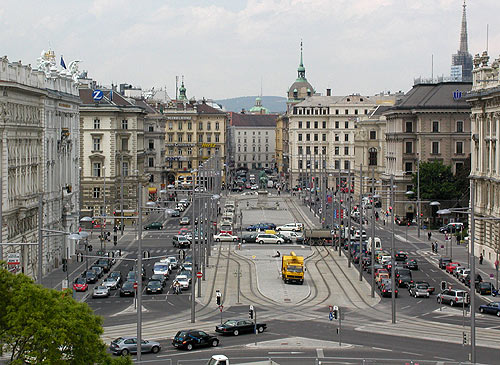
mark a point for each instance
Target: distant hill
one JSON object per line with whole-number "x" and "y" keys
{"x": 276, "y": 104}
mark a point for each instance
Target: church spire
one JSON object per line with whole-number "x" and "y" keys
{"x": 301, "y": 71}
{"x": 463, "y": 33}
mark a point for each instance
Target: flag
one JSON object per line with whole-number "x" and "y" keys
{"x": 62, "y": 63}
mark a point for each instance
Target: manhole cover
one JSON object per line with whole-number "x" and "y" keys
{"x": 287, "y": 300}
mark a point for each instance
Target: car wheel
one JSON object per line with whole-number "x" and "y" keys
{"x": 244, "y": 241}
{"x": 215, "y": 343}
{"x": 124, "y": 352}
{"x": 189, "y": 346}
{"x": 498, "y": 314}
{"x": 482, "y": 311}
{"x": 217, "y": 240}
{"x": 452, "y": 303}
{"x": 415, "y": 295}
{"x": 439, "y": 300}
{"x": 260, "y": 329}
{"x": 155, "y": 349}
{"x": 236, "y": 332}
{"x": 261, "y": 242}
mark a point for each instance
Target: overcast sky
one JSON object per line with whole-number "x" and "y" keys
{"x": 224, "y": 48}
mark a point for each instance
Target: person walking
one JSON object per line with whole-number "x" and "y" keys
{"x": 429, "y": 235}
{"x": 480, "y": 259}
{"x": 432, "y": 247}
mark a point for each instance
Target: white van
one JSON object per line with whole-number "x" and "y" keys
{"x": 378, "y": 244}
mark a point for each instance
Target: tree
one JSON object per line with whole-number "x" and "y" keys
{"x": 46, "y": 326}
{"x": 436, "y": 181}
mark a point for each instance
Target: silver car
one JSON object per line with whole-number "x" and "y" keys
{"x": 128, "y": 345}
{"x": 420, "y": 290}
{"x": 100, "y": 292}
{"x": 111, "y": 283}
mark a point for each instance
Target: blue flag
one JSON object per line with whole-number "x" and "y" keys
{"x": 62, "y": 63}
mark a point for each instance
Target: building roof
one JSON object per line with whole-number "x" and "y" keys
{"x": 203, "y": 108}
{"x": 149, "y": 109}
{"x": 320, "y": 100}
{"x": 110, "y": 98}
{"x": 441, "y": 95}
{"x": 253, "y": 120}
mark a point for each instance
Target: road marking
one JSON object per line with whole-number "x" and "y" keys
{"x": 319, "y": 353}
{"x": 285, "y": 352}
{"x": 406, "y": 307}
{"x": 381, "y": 349}
{"x": 443, "y": 358}
{"x": 410, "y": 353}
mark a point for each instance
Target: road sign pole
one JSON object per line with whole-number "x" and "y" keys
{"x": 255, "y": 325}
{"x": 340, "y": 326}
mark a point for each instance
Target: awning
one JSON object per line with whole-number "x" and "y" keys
{"x": 152, "y": 190}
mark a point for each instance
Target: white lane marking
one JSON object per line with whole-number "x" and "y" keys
{"x": 319, "y": 353}
{"x": 381, "y": 349}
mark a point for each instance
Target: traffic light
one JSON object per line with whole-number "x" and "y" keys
{"x": 69, "y": 189}
{"x": 443, "y": 285}
{"x": 65, "y": 265}
{"x": 115, "y": 229}
{"x": 90, "y": 248}
{"x": 115, "y": 240}
{"x": 335, "y": 313}
{"x": 250, "y": 313}
{"x": 218, "y": 300}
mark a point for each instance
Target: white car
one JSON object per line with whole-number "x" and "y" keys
{"x": 100, "y": 292}
{"x": 294, "y": 236}
{"x": 183, "y": 281}
{"x": 268, "y": 238}
{"x": 111, "y": 283}
{"x": 172, "y": 261}
{"x": 225, "y": 237}
{"x": 161, "y": 268}
{"x": 296, "y": 227}
{"x": 254, "y": 187}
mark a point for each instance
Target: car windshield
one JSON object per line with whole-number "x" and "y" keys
{"x": 154, "y": 283}
{"x": 81, "y": 281}
{"x": 161, "y": 267}
{"x": 157, "y": 277}
{"x": 110, "y": 279}
{"x": 404, "y": 272}
{"x": 294, "y": 268}
{"x": 115, "y": 274}
{"x": 128, "y": 285}
{"x": 460, "y": 293}
{"x": 230, "y": 322}
{"x": 119, "y": 339}
{"x": 101, "y": 288}
{"x": 422, "y": 286}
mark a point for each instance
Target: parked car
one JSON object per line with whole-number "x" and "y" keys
{"x": 189, "y": 339}
{"x": 111, "y": 283}
{"x": 239, "y": 326}
{"x": 180, "y": 241}
{"x": 116, "y": 275}
{"x": 249, "y": 237}
{"x": 154, "y": 225}
{"x": 452, "y": 227}
{"x": 443, "y": 261}
{"x": 430, "y": 289}
{"x": 80, "y": 284}
{"x": 225, "y": 237}
{"x": 161, "y": 268}
{"x": 154, "y": 287}
{"x": 268, "y": 238}
{"x": 296, "y": 227}
{"x": 401, "y": 256}
{"x": 128, "y": 345}
{"x": 127, "y": 289}
{"x": 98, "y": 271}
{"x": 403, "y": 276}
{"x": 451, "y": 266}
{"x": 184, "y": 221}
{"x": 485, "y": 288}
{"x": 105, "y": 264}
{"x": 159, "y": 277}
{"x": 490, "y": 308}
{"x": 454, "y": 297}
{"x": 100, "y": 291}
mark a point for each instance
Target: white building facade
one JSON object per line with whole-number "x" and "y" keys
{"x": 39, "y": 159}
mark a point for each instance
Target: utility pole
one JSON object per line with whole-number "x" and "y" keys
{"x": 373, "y": 241}
{"x": 341, "y": 228}
{"x": 393, "y": 260}
{"x": 193, "y": 250}
{"x": 122, "y": 223}
{"x": 139, "y": 276}
{"x": 361, "y": 220}
{"x": 349, "y": 213}
{"x": 40, "y": 238}
{"x": 418, "y": 196}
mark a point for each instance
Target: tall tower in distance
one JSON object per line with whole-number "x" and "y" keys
{"x": 461, "y": 62}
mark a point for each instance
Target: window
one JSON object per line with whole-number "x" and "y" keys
{"x": 372, "y": 157}
{"x": 308, "y": 150}
{"x": 200, "y": 126}
{"x": 179, "y": 165}
{"x": 300, "y": 136}
{"x": 458, "y": 166}
{"x": 125, "y": 168}
{"x": 346, "y": 111}
{"x": 337, "y": 123}
{"x": 337, "y": 165}
{"x": 217, "y": 137}
{"x": 253, "y": 149}
{"x": 308, "y": 125}
{"x": 316, "y": 150}
{"x": 179, "y": 137}
{"x": 460, "y": 126}
{"x": 190, "y": 125}
{"x": 267, "y": 148}
{"x": 337, "y": 150}
{"x": 409, "y": 147}
{"x": 209, "y": 126}
{"x": 373, "y": 134}
{"x": 151, "y": 162}
{"x": 316, "y": 139}
{"x": 170, "y": 137}
{"x": 408, "y": 167}
{"x": 324, "y": 124}
{"x": 346, "y": 150}
{"x": 300, "y": 124}
{"x": 179, "y": 151}
{"x": 300, "y": 150}
{"x": 216, "y": 126}
{"x": 190, "y": 165}
{"x": 97, "y": 124}
{"x": 435, "y": 126}
{"x": 97, "y": 143}
{"x": 151, "y": 144}
{"x": 346, "y": 165}
{"x": 315, "y": 124}
{"x": 190, "y": 137}
{"x": 409, "y": 127}
{"x": 170, "y": 125}
{"x": 124, "y": 144}
{"x": 459, "y": 148}
{"x": 124, "y": 124}
{"x": 435, "y": 148}
{"x": 308, "y": 137}
{"x": 336, "y": 138}
{"x": 97, "y": 193}
{"x": 346, "y": 137}
{"x": 169, "y": 164}
{"x": 151, "y": 128}
{"x": 323, "y": 150}
{"x": 179, "y": 125}
{"x": 366, "y": 111}
{"x": 323, "y": 137}
{"x": 200, "y": 137}
{"x": 209, "y": 138}
{"x": 346, "y": 125}
{"x": 96, "y": 169}
{"x": 336, "y": 111}
{"x": 170, "y": 150}
{"x": 300, "y": 164}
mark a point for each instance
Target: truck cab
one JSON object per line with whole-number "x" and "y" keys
{"x": 292, "y": 268}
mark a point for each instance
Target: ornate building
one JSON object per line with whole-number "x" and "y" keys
{"x": 301, "y": 88}
{"x": 461, "y": 66}
{"x": 484, "y": 98}
{"x": 39, "y": 127}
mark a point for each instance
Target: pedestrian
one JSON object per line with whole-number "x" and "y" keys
{"x": 480, "y": 259}
{"x": 432, "y": 246}
{"x": 177, "y": 287}
{"x": 436, "y": 246}
{"x": 429, "y": 235}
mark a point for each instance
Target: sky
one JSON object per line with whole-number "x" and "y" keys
{"x": 230, "y": 48}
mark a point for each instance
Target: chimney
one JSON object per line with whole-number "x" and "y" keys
{"x": 328, "y": 92}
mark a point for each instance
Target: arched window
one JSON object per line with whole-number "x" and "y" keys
{"x": 372, "y": 157}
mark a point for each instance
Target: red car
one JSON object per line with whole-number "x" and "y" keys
{"x": 183, "y": 231}
{"x": 80, "y": 284}
{"x": 451, "y": 266}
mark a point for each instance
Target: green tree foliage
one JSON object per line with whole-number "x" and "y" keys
{"x": 46, "y": 326}
{"x": 436, "y": 181}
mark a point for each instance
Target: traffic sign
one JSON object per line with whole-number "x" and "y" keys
{"x": 221, "y": 307}
{"x": 330, "y": 316}
{"x": 199, "y": 274}
{"x": 330, "y": 307}
{"x": 97, "y": 95}
{"x": 135, "y": 285}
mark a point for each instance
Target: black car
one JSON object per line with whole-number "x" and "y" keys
{"x": 249, "y": 237}
{"x": 386, "y": 291}
{"x": 411, "y": 264}
{"x": 161, "y": 278}
{"x": 443, "y": 261}
{"x": 401, "y": 256}
{"x": 154, "y": 287}
{"x": 403, "y": 277}
{"x": 485, "y": 288}
{"x": 189, "y": 339}
{"x": 127, "y": 289}
{"x": 366, "y": 262}
{"x": 90, "y": 276}
{"x": 104, "y": 263}
{"x": 239, "y": 326}
{"x": 284, "y": 238}
{"x": 490, "y": 308}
